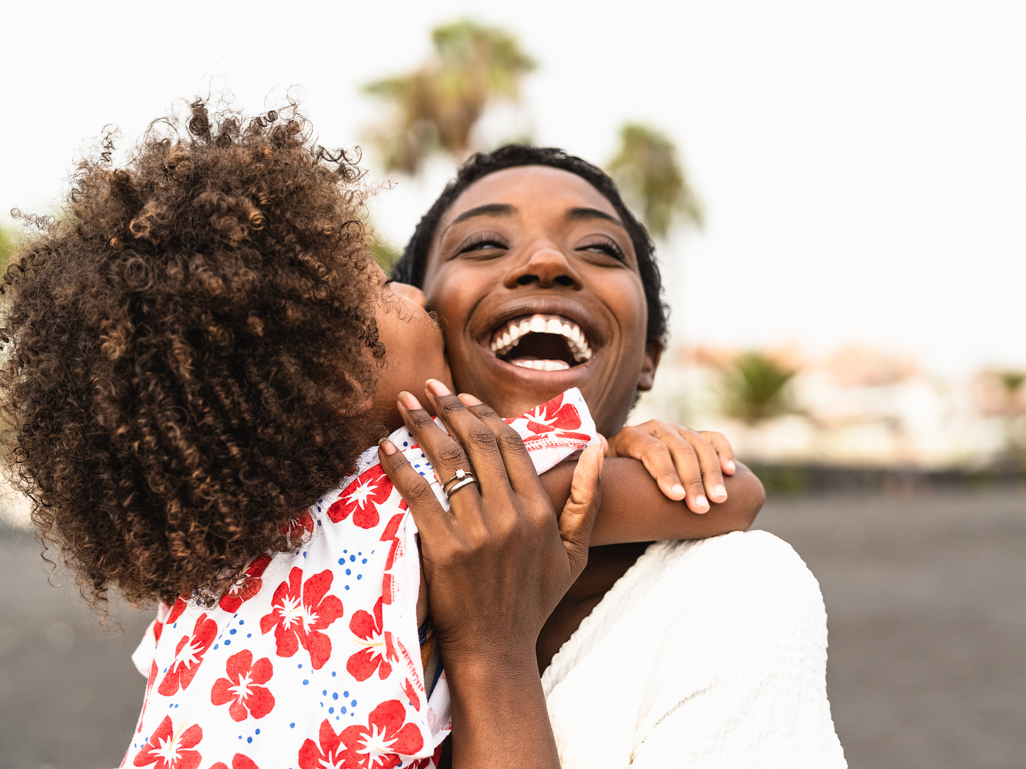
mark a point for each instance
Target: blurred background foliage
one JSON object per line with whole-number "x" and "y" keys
{"x": 648, "y": 170}
{"x": 755, "y": 387}
{"x": 9, "y": 237}
{"x": 437, "y": 108}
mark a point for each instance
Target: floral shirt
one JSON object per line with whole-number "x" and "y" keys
{"x": 312, "y": 659}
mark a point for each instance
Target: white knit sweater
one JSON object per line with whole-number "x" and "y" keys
{"x": 704, "y": 654}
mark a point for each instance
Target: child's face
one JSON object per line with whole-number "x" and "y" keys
{"x": 414, "y": 347}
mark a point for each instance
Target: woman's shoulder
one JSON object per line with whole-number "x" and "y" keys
{"x": 758, "y": 559}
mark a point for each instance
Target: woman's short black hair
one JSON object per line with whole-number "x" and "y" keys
{"x": 413, "y": 264}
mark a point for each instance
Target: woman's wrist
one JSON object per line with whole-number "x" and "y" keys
{"x": 499, "y": 718}
{"x": 490, "y": 665}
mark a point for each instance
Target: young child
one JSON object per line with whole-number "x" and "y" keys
{"x": 194, "y": 359}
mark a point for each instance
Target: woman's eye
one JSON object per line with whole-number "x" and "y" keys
{"x": 604, "y": 247}
{"x": 482, "y": 244}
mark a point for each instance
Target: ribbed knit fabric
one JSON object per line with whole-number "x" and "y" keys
{"x": 704, "y": 654}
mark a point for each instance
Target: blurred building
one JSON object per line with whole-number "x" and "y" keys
{"x": 856, "y": 407}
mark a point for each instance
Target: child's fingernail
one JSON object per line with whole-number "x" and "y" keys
{"x": 387, "y": 447}
{"x": 702, "y": 502}
{"x": 678, "y": 489}
{"x": 408, "y": 400}
{"x": 720, "y": 492}
{"x": 731, "y": 467}
{"x": 437, "y": 388}
{"x": 469, "y": 400}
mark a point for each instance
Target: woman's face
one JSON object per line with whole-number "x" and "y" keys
{"x": 414, "y": 347}
{"x": 537, "y": 284}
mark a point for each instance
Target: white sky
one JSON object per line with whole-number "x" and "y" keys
{"x": 863, "y": 164}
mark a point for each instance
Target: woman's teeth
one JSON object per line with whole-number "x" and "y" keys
{"x": 509, "y": 336}
{"x": 542, "y": 365}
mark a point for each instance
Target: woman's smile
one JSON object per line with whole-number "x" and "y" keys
{"x": 538, "y": 283}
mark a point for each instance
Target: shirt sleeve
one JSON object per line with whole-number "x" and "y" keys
{"x": 556, "y": 430}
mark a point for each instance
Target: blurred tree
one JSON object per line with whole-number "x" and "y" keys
{"x": 1013, "y": 387}
{"x": 438, "y": 104}
{"x": 1012, "y": 384}
{"x": 754, "y": 387}
{"x": 8, "y": 242}
{"x": 383, "y": 250}
{"x": 652, "y": 178}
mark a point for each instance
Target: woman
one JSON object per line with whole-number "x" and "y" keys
{"x": 703, "y": 654}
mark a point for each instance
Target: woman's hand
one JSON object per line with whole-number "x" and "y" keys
{"x": 671, "y": 453}
{"x": 499, "y": 560}
{"x": 496, "y": 564}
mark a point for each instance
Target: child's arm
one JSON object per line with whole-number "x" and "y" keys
{"x": 634, "y": 509}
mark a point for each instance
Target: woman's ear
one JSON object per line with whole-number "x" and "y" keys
{"x": 653, "y": 352}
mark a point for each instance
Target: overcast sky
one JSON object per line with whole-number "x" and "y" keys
{"x": 862, "y": 164}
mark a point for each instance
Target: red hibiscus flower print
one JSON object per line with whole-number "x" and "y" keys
{"x": 380, "y": 744}
{"x": 371, "y": 657}
{"x": 361, "y": 499}
{"x": 150, "y": 679}
{"x": 299, "y": 526}
{"x": 299, "y": 612}
{"x": 176, "y": 611}
{"x": 242, "y": 687}
{"x": 411, "y": 692}
{"x": 393, "y": 523}
{"x": 553, "y": 415}
{"x": 246, "y": 586}
{"x": 170, "y": 748}
{"x": 189, "y": 656}
{"x": 239, "y": 761}
{"x": 430, "y": 762}
{"x": 329, "y": 753}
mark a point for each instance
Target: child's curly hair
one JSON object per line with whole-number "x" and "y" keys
{"x": 185, "y": 362}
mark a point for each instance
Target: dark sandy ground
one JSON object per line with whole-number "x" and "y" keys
{"x": 926, "y": 598}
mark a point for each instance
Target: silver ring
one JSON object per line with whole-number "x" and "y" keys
{"x": 460, "y": 475}
{"x": 460, "y": 484}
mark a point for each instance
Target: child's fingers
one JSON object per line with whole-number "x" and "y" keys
{"x": 578, "y": 516}
{"x": 664, "y": 453}
{"x": 427, "y": 512}
{"x": 709, "y": 465}
{"x": 723, "y": 449}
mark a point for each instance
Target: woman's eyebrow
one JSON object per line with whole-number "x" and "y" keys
{"x": 585, "y": 214}
{"x": 489, "y": 209}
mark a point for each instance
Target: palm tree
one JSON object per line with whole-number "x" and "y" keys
{"x": 755, "y": 387}
{"x": 649, "y": 172}
{"x": 1013, "y": 385}
{"x": 437, "y": 105}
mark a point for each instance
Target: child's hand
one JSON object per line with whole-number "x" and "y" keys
{"x": 671, "y": 453}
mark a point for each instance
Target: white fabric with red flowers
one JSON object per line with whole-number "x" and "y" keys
{"x": 312, "y": 659}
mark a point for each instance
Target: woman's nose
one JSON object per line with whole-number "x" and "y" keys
{"x": 546, "y": 266}
{"x": 407, "y": 291}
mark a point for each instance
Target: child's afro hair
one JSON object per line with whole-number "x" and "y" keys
{"x": 189, "y": 354}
